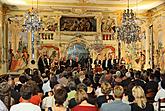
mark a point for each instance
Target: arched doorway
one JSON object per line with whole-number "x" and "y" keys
{"x": 78, "y": 50}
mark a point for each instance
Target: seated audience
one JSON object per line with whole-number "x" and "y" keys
{"x": 137, "y": 80}
{"x": 151, "y": 88}
{"x": 5, "y": 95}
{"x": 48, "y": 101}
{"x": 35, "y": 99}
{"x": 117, "y": 104}
{"x": 60, "y": 95}
{"x": 2, "y": 106}
{"x": 25, "y": 105}
{"x": 126, "y": 80}
{"x": 140, "y": 102}
{"x": 90, "y": 91}
{"x": 72, "y": 102}
{"x": 117, "y": 78}
{"x": 81, "y": 99}
{"x": 106, "y": 98}
{"x": 161, "y": 93}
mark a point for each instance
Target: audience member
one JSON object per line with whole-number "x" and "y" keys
{"x": 117, "y": 104}
{"x": 81, "y": 98}
{"x": 140, "y": 102}
{"x": 161, "y": 93}
{"x": 60, "y": 95}
{"x": 26, "y": 93}
{"x": 5, "y": 94}
{"x": 106, "y": 97}
{"x": 3, "y": 106}
{"x": 48, "y": 101}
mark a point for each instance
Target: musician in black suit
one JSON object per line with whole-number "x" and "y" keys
{"x": 107, "y": 63}
{"x": 97, "y": 61}
{"x": 43, "y": 62}
{"x": 70, "y": 62}
{"x": 88, "y": 62}
{"x": 62, "y": 64}
{"x": 115, "y": 62}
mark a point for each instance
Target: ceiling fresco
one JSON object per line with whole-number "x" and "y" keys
{"x": 93, "y": 4}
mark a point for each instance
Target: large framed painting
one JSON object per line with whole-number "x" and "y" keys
{"x": 84, "y": 24}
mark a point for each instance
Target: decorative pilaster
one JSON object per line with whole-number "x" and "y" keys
{"x": 1, "y": 34}
{"x": 4, "y": 40}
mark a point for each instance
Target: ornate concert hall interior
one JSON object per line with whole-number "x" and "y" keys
{"x": 78, "y": 28}
{"x": 82, "y": 55}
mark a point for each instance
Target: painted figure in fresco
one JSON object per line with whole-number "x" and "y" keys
{"x": 107, "y": 25}
{"x": 0, "y": 57}
{"x": 78, "y": 24}
{"x": 162, "y": 60}
{"x": 11, "y": 57}
{"x": 25, "y": 57}
{"x": 18, "y": 62}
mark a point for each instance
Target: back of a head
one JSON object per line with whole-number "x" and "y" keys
{"x": 22, "y": 79}
{"x": 82, "y": 86}
{"x": 105, "y": 88}
{"x": 5, "y": 93}
{"x": 137, "y": 74}
{"x": 139, "y": 95}
{"x": 87, "y": 82}
{"x": 72, "y": 85}
{"x": 26, "y": 91}
{"x": 33, "y": 85}
{"x": 118, "y": 91}
{"x": 152, "y": 76}
{"x": 60, "y": 95}
{"x": 80, "y": 96}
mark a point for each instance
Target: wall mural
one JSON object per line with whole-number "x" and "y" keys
{"x": 108, "y": 25}
{"x": 0, "y": 57}
{"x": 134, "y": 57}
{"x": 49, "y": 24}
{"x": 108, "y": 28}
{"x": 86, "y": 24}
{"x": 20, "y": 60}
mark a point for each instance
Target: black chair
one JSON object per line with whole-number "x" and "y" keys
{"x": 160, "y": 106}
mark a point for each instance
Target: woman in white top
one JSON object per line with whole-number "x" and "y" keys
{"x": 161, "y": 93}
{"x": 48, "y": 101}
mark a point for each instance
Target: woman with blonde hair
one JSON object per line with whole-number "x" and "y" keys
{"x": 140, "y": 102}
{"x": 81, "y": 99}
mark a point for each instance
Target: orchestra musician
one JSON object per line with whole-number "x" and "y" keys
{"x": 97, "y": 61}
{"x": 70, "y": 62}
{"x": 107, "y": 63}
{"x": 88, "y": 63}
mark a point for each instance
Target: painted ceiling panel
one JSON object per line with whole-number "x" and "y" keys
{"x": 109, "y": 4}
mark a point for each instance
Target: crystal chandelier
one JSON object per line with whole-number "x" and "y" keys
{"x": 32, "y": 21}
{"x": 129, "y": 30}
